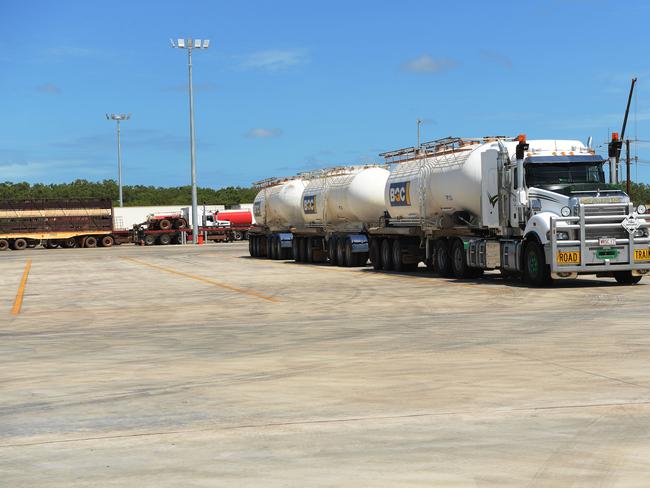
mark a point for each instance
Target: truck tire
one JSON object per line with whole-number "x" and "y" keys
{"x": 459, "y": 266}
{"x": 331, "y": 251}
{"x": 295, "y": 249}
{"x": 237, "y": 236}
{"x": 302, "y": 250}
{"x": 107, "y": 241}
{"x": 32, "y": 243}
{"x": 69, "y": 243}
{"x": 164, "y": 224}
{"x": 375, "y": 253}
{"x": 361, "y": 259}
{"x": 398, "y": 262}
{"x": 164, "y": 239}
{"x": 340, "y": 252}
{"x": 279, "y": 252}
{"x": 4, "y": 245}
{"x": 309, "y": 249}
{"x": 443, "y": 261}
{"x": 50, "y": 244}
{"x": 386, "y": 255}
{"x": 626, "y": 278}
{"x": 349, "y": 257}
{"x": 149, "y": 239}
{"x": 250, "y": 248}
{"x": 536, "y": 271}
{"x": 19, "y": 244}
{"x": 90, "y": 241}
{"x": 180, "y": 224}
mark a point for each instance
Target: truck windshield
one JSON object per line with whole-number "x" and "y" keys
{"x": 541, "y": 175}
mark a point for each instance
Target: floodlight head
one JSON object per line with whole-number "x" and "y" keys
{"x": 181, "y": 43}
{"x": 206, "y": 43}
{"x": 108, "y": 117}
{"x": 197, "y": 43}
{"x": 172, "y": 42}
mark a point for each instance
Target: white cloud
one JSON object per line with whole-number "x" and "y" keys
{"x": 49, "y": 88}
{"x": 263, "y": 133}
{"x": 275, "y": 59}
{"x": 427, "y": 64}
{"x": 497, "y": 58}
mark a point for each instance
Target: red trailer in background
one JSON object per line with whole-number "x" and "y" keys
{"x": 236, "y": 217}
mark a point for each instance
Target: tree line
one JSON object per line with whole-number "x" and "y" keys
{"x": 140, "y": 195}
{"x": 133, "y": 195}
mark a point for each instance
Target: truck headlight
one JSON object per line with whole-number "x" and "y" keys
{"x": 566, "y": 211}
{"x": 563, "y": 236}
{"x": 641, "y": 209}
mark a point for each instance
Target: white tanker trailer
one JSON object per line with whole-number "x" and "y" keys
{"x": 541, "y": 209}
{"x": 277, "y": 209}
{"x": 338, "y": 206}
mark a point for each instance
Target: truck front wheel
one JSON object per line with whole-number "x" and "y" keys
{"x": 626, "y": 278}
{"x": 536, "y": 271}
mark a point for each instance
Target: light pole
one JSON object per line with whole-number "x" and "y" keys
{"x": 191, "y": 44}
{"x": 118, "y": 118}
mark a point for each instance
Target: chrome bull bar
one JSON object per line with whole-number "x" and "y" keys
{"x": 581, "y": 223}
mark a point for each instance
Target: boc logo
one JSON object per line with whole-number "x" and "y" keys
{"x": 309, "y": 204}
{"x": 399, "y": 194}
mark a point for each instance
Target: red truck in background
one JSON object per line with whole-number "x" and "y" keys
{"x": 238, "y": 222}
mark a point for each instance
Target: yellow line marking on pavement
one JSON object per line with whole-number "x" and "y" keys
{"x": 251, "y": 293}
{"x": 18, "y": 302}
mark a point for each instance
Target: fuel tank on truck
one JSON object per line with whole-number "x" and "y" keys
{"x": 444, "y": 181}
{"x": 278, "y": 206}
{"x": 345, "y": 198}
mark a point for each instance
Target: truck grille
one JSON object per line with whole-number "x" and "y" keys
{"x": 617, "y": 232}
{"x": 616, "y": 212}
{"x": 613, "y": 211}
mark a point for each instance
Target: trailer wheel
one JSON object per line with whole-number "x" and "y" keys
{"x": 250, "y": 248}
{"x": 149, "y": 239}
{"x": 386, "y": 255}
{"x": 375, "y": 253}
{"x": 164, "y": 239}
{"x": 279, "y": 254}
{"x": 626, "y": 278}
{"x": 180, "y": 224}
{"x": 165, "y": 224}
{"x": 340, "y": 251}
{"x": 19, "y": 244}
{"x": 536, "y": 270}
{"x": 32, "y": 243}
{"x": 50, "y": 244}
{"x": 331, "y": 251}
{"x": 443, "y": 264}
{"x": 459, "y": 260}
{"x": 302, "y": 249}
{"x": 107, "y": 241}
{"x": 398, "y": 261}
{"x": 90, "y": 241}
{"x": 349, "y": 257}
{"x": 69, "y": 243}
{"x": 4, "y": 244}
{"x": 237, "y": 236}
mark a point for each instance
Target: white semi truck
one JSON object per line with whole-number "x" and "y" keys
{"x": 539, "y": 209}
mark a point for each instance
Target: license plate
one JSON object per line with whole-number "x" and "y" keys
{"x": 607, "y": 241}
{"x": 568, "y": 257}
{"x": 642, "y": 254}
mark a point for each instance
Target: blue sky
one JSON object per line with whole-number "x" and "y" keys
{"x": 288, "y": 86}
